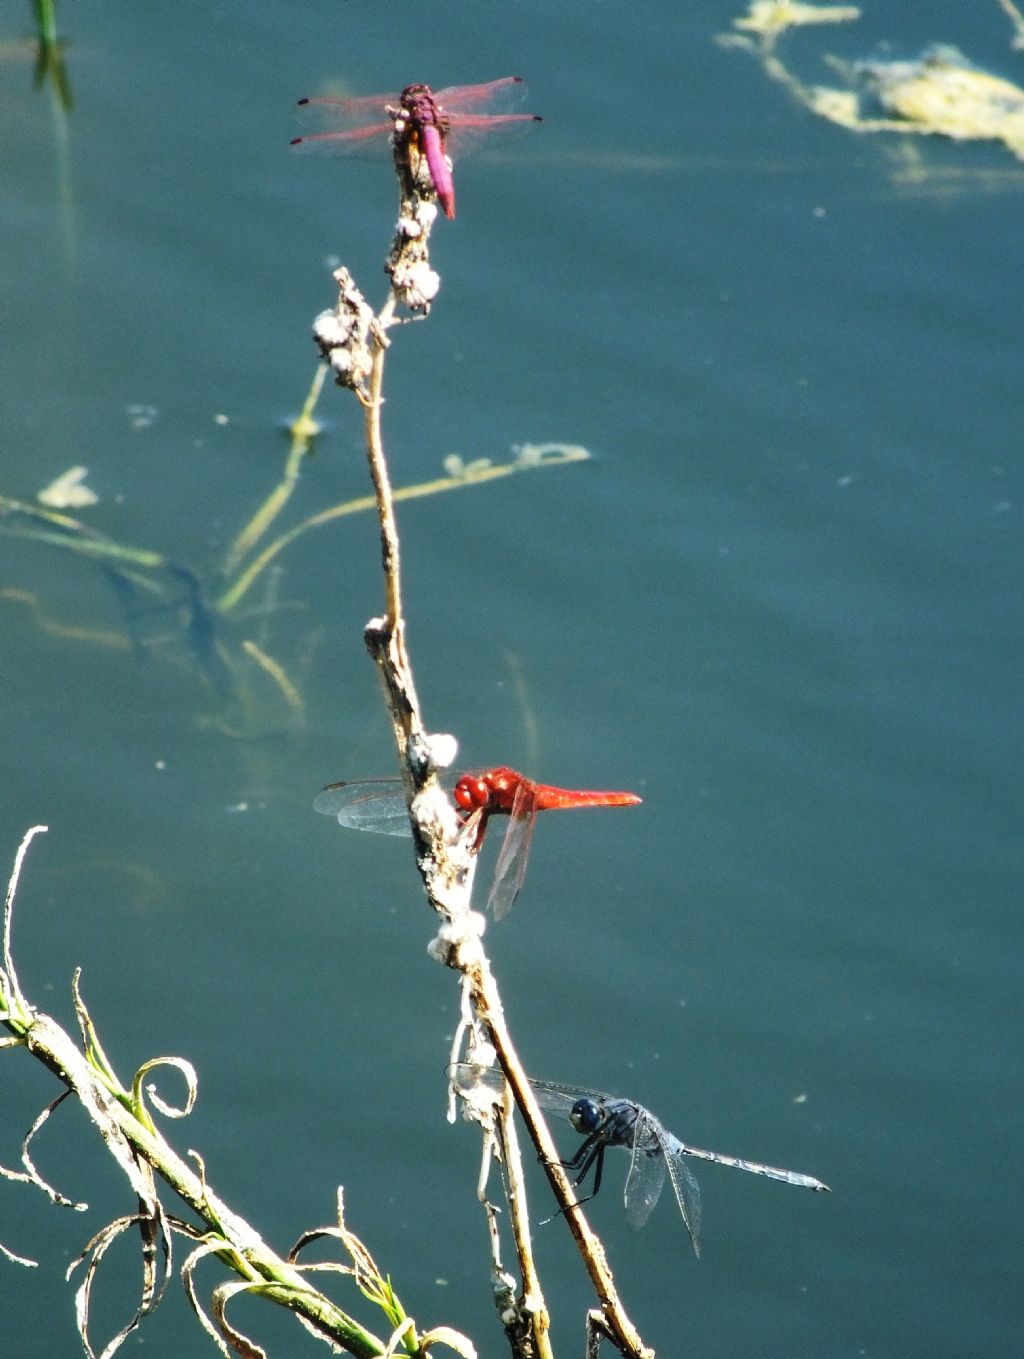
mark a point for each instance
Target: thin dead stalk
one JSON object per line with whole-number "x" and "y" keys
{"x": 442, "y": 862}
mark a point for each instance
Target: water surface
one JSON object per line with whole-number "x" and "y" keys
{"x": 782, "y": 602}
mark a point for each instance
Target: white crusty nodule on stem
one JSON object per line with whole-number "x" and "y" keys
{"x": 414, "y": 282}
{"x": 344, "y": 332}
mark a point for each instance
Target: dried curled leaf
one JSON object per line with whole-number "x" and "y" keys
{"x": 91, "y": 1039}
{"x": 240, "y": 1343}
{"x": 168, "y": 1110}
{"x": 373, "y": 1285}
{"x": 17, "y": 1259}
{"x": 97, "y": 1247}
{"x": 155, "y": 1232}
{"x": 227, "y": 1337}
{"x": 14, "y": 1003}
{"x": 404, "y": 1330}
{"x": 455, "y": 1340}
{"x": 210, "y": 1246}
{"x": 33, "y": 1175}
{"x": 8, "y": 1174}
{"x": 90, "y": 1082}
{"x": 307, "y": 1239}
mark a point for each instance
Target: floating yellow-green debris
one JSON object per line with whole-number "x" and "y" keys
{"x": 943, "y": 94}
{"x": 770, "y": 17}
{"x": 940, "y": 93}
{"x": 69, "y": 491}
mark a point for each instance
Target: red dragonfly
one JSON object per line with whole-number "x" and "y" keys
{"x": 379, "y": 805}
{"x": 420, "y": 121}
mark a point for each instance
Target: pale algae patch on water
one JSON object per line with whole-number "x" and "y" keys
{"x": 941, "y": 93}
{"x": 768, "y": 18}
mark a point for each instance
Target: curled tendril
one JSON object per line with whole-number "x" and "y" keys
{"x": 32, "y": 1174}
{"x": 154, "y": 1229}
{"x": 209, "y": 1246}
{"x": 168, "y": 1110}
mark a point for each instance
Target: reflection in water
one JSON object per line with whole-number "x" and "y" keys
{"x": 224, "y": 639}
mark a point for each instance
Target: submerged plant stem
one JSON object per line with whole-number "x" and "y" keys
{"x": 303, "y": 431}
{"x": 476, "y": 476}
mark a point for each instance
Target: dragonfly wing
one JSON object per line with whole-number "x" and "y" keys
{"x": 559, "y": 1099}
{"x": 363, "y": 141}
{"x": 646, "y": 1171}
{"x": 468, "y": 1075}
{"x": 685, "y": 1185}
{"x": 471, "y": 134}
{"x": 510, "y": 870}
{"x": 333, "y": 112}
{"x": 370, "y": 806}
{"x": 494, "y": 96}
{"x": 550, "y": 1095}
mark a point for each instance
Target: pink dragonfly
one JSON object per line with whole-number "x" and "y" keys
{"x": 379, "y": 805}
{"x": 420, "y": 122}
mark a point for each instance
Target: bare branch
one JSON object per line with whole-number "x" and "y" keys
{"x": 444, "y": 855}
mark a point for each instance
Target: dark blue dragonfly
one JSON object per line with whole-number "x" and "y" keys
{"x": 605, "y": 1121}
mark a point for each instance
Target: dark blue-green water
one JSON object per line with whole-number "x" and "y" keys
{"x": 783, "y": 602}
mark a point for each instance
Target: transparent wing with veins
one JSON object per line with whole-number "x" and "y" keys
{"x": 492, "y": 97}
{"x": 652, "y": 1152}
{"x": 684, "y": 1186}
{"x": 646, "y": 1177}
{"x": 510, "y": 869}
{"x": 376, "y": 805}
{"x": 653, "y": 1149}
{"x": 363, "y": 126}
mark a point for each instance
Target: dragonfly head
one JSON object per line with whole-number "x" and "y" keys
{"x": 420, "y": 107}
{"x": 494, "y": 790}
{"x": 471, "y": 793}
{"x": 585, "y": 1116}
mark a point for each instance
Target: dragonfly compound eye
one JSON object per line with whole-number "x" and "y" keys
{"x": 471, "y": 793}
{"x": 584, "y": 1116}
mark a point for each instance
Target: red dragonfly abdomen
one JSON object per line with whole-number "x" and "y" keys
{"x": 551, "y": 799}
{"x": 495, "y": 790}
